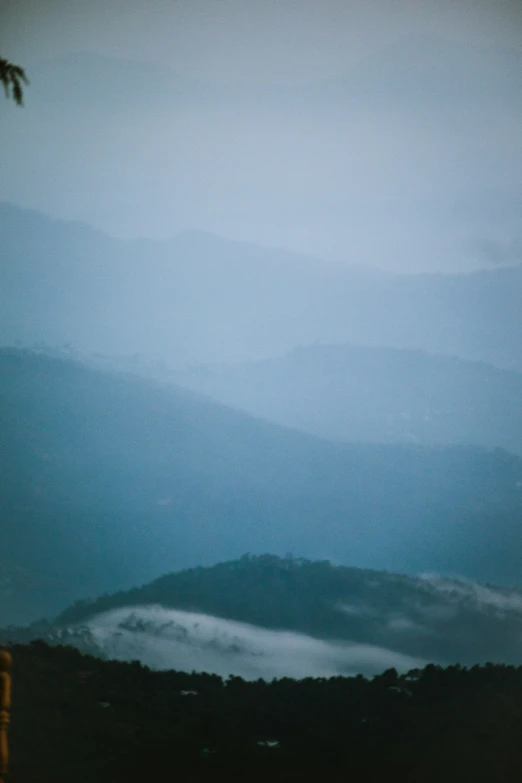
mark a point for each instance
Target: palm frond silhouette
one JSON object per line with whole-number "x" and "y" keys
{"x": 12, "y": 78}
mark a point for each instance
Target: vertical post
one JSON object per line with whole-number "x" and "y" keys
{"x": 5, "y": 705}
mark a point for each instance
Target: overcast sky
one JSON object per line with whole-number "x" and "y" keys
{"x": 266, "y": 40}
{"x": 414, "y": 185}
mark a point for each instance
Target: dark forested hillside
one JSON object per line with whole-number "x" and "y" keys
{"x": 432, "y": 618}
{"x": 111, "y": 480}
{"x": 78, "y": 718}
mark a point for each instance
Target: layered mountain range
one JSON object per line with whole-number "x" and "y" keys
{"x": 355, "y": 393}
{"x": 198, "y": 298}
{"x": 110, "y": 479}
{"x": 408, "y": 160}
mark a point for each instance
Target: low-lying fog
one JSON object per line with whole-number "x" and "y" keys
{"x": 170, "y": 639}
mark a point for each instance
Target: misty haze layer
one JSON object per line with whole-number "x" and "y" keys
{"x": 410, "y": 160}
{"x": 198, "y": 298}
{"x": 169, "y": 639}
{"x": 352, "y": 393}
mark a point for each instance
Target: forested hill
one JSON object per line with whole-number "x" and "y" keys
{"x": 78, "y": 718}
{"x": 431, "y": 618}
{"x": 110, "y": 480}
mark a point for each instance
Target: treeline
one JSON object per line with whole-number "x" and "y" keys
{"x": 76, "y": 717}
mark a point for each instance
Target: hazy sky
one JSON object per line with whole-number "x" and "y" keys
{"x": 265, "y": 40}
{"x": 406, "y": 183}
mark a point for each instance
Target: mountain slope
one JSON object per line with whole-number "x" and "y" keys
{"x": 109, "y": 480}
{"x": 198, "y": 298}
{"x": 347, "y": 392}
{"x": 195, "y": 297}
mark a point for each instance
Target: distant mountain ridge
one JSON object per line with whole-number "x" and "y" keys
{"x": 426, "y": 69}
{"x": 429, "y": 113}
{"x": 355, "y": 393}
{"x": 197, "y": 299}
{"x": 411, "y": 66}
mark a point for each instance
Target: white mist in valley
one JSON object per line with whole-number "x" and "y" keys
{"x": 172, "y": 639}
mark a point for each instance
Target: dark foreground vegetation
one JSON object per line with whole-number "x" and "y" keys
{"x": 78, "y": 718}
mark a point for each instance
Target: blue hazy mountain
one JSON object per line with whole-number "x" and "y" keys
{"x": 198, "y": 298}
{"x": 384, "y": 395}
{"x": 376, "y": 166}
{"x": 109, "y": 480}
{"x": 420, "y": 68}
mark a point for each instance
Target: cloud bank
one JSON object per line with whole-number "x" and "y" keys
{"x": 171, "y": 639}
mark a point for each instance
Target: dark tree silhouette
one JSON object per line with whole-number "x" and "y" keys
{"x": 12, "y": 78}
